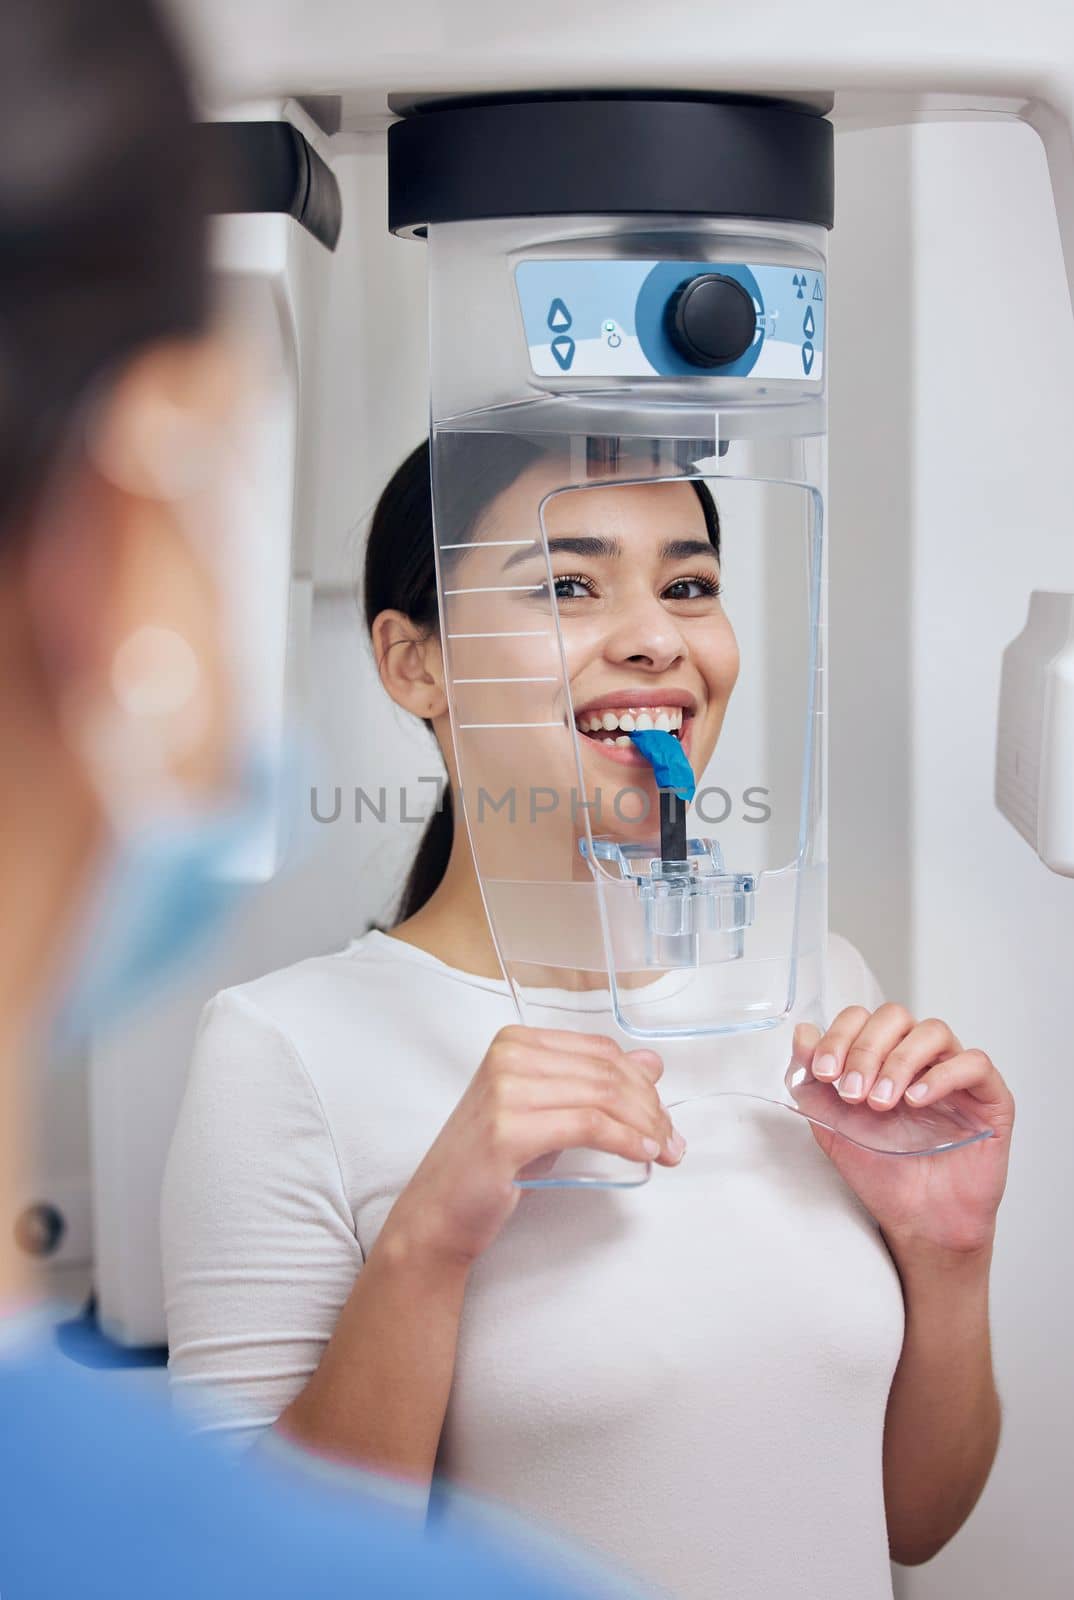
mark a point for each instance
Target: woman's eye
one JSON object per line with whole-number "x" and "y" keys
{"x": 567, "y": 588}
{"x": 699, "y": 588}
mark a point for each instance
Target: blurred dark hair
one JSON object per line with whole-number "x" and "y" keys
{"x": 103, "y": 206}
{"x": 400, "y": 570}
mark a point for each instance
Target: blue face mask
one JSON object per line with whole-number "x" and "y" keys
{"x": 163, "y": 891}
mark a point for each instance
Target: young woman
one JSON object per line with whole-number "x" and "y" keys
{"x": 750, "y": 1378}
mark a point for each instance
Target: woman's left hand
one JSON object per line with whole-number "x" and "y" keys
{"x": 943, "y": 1204}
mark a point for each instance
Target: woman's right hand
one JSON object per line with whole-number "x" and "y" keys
{"x": 538, "y": 1091}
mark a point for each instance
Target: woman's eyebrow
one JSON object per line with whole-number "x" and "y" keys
{"x": 572, "y": 544}
{"x": 686, "y": 549}
{"x": 598, "y": 548}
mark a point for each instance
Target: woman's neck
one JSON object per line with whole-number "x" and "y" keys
{"x": 452, "y": 924}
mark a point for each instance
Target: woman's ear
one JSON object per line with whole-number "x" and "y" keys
{"x": 411, "y": 664}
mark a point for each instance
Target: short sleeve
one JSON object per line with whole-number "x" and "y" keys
{"x": 258, "y": 1240}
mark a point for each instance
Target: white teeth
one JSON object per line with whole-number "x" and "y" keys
{"x": 623, "y": 738}
{"x": 666, "y": 719}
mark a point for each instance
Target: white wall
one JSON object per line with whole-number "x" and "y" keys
{"x": 946, "y": 511}
{"x": 372, "y": 403}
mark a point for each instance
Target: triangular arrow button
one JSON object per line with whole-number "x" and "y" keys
{"x": 559, "y": 318}
{"x": 563, "y": 350}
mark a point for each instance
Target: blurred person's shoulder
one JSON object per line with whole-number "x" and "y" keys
{"x": 103, "y": 1495}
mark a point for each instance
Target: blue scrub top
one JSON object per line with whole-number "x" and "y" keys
{"x": 101, "y": 1496}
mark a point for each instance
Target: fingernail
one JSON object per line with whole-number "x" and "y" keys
{"x": 651, "y": 1148}
{"x": 916, "y": 1092}
{"x": 883, "y": 1091}
{"x": 826, "y": 1067}
{"x": 850, "y": 1085}
{"x": 676, "y": 1146}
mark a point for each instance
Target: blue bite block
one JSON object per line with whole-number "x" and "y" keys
{"x": 665, "y": 755}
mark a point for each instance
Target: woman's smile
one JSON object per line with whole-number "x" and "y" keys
{"x": 606, "y": 722}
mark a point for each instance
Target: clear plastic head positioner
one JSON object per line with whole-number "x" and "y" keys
{"x": 629, "y": 471}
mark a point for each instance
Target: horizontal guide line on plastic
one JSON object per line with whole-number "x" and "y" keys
{"x": 495, "y": 588}
{"x": 525, "y": 633}
{"x": 507, "y": 680}
{"x": 476, "y": 544}
{"x": 466, "y": 726}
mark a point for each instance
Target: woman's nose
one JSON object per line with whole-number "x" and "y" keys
{"x": 646, "y": 636}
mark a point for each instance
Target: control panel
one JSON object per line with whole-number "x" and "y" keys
{"x": 637, "y": 319}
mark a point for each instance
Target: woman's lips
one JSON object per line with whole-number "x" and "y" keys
{"x": 640, "y": 698}
{"x": 628, "y": 755}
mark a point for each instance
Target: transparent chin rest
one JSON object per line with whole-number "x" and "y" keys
{"x": 904, "y": 1131}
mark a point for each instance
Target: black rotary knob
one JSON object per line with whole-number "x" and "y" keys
{"x": 711, "y": 320}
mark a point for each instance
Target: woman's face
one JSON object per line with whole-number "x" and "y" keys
{"x": 645, "y": 639}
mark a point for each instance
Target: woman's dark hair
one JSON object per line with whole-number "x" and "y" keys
{"x": 400, "y": 572}
{"x": 103, "y": 207}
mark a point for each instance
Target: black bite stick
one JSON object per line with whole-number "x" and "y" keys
{"x": 672, "y": 826}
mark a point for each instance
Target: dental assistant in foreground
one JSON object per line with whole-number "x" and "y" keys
{"x": 115, "y": 390}
{"x": 753, "y": 1377}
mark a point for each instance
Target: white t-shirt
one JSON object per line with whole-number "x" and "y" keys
{"x": 689, "y": 1377}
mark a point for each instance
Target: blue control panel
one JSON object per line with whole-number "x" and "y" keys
{"x": 610, "y": 319}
